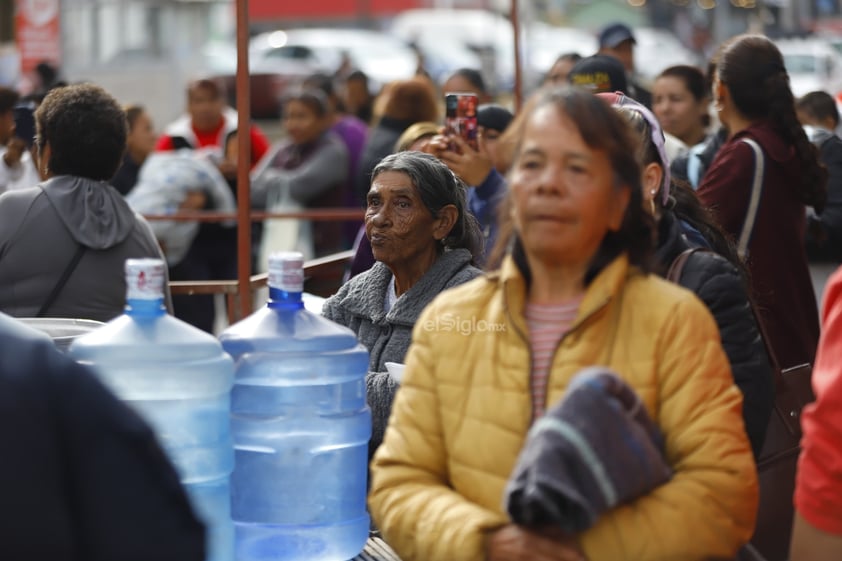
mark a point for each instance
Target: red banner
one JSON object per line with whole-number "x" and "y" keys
{"x": 38, "y": 33}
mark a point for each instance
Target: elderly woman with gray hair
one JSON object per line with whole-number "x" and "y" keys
{"x": 425, "y": 241}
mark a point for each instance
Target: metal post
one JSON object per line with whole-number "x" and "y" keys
{"x": 515, "y": 17}
{"x": 243, "y": 160}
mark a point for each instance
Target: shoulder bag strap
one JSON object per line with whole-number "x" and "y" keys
{"x": 677, "y": 267}
{"x": 754, "y": 201}
{"x": 65, "y": 276}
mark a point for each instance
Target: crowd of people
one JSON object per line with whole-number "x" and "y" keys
{"x": 660, "y": 232}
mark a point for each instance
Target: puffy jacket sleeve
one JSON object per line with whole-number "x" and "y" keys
{"x": 708, "y": 509}
{"x": 415, "y": 509}
{"x": 719, "y": 285}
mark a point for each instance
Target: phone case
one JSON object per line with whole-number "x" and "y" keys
{"x": 461, "y": 116}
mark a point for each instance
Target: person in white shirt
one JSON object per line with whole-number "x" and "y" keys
{"x": 17, "y": 169}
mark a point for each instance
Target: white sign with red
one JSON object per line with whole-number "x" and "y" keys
{"x": 38, "y": 33}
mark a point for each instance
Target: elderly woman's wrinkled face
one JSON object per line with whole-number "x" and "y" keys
{"x": 564, "y": 194}
{"x": 399, "y": 226}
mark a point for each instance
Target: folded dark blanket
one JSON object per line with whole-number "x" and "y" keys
{"x": 592, "y": 451}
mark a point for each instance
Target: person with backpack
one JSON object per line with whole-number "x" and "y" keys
{"x": 709, "y": 267}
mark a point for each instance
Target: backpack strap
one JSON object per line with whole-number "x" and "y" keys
{"x": 677, "y": 266}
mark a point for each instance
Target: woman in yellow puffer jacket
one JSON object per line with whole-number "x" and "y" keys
{"x": 490, "y": 356}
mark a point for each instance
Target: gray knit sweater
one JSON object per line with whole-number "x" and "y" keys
{"x": 360, "y": 305}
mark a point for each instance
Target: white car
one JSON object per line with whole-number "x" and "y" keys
{"x": 812, "y": 64}
{"x": 484, "y": 32}
{"x": 382, "y": 57}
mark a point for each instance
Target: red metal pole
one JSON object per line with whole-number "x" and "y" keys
{"x": 515, "y": 17}
{"x": 244, "y": 160}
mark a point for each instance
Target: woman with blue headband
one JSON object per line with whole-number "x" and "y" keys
{"x": 714, "y": 274}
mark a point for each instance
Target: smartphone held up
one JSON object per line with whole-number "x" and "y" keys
{"x": 24, "y": 115}
{"x": 461, "y": 117}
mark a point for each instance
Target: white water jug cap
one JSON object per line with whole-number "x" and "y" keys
{"x": 286, "y": 271}
{"x": 145, "y": 279}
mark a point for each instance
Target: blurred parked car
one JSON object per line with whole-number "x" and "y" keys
{"x": 382, "y": 57}
{"x": 813, "y": 64}
{"x": 269, "y": 78}
{"x": 442, "y": 56}
{"x": 487, "y": 34}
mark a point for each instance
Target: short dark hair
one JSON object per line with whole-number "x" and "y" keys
{"x": 357, "y": 75}
{"x": 694, "y": 81}
{"x": 438, "y": 187}
{"x": 322, "y": 82}
{"x": 314, "y": 100}
{"x": 8, "y": 99}
{"x": 819, "y": 105}
{"x": 213, "y": 87}
{"x": 473, "y": 76}
{"x": 132, "y": 113}
{"x": 86, "y": 130}
{"x": 602, "y": 129}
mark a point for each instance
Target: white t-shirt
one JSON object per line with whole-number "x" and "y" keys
{"x": 21, "y": 176}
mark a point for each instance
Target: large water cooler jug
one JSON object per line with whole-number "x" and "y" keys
{"x": 301, "y": 428}
{"x": 179, "y": 379}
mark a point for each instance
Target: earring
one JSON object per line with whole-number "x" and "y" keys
{"x": 652, "y": 206}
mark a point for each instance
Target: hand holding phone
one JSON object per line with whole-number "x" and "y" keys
{"x": 461, "y": 117}
{"x": 24, "y": 115}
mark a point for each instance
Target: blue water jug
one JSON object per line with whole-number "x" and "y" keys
{"x": 301, "y": 428}
{"x": 179, "y": 379}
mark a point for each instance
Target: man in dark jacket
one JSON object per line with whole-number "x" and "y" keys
{"x": 83, "y": 476}
{"x": 818, "y": 113}
{"x": 617, "y": 40}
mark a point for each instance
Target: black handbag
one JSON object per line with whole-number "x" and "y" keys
{"x": 778, "y": 461}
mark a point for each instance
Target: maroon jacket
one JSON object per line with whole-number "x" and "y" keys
{"x": 777, "y": 259}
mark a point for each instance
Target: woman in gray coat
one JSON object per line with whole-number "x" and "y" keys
{"x": 424, "y": 241}
{"x": 64, "y": 242}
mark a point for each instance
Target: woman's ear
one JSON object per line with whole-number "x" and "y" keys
{"x": 442, "y": 226}
{"x": 653, "y": 175}
{"x": 43, "y": 163}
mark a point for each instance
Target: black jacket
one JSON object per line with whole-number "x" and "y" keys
{"x": 824, "y": 232}
{"x": 82, "y": 476}
{"x": 719, "y": 284}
